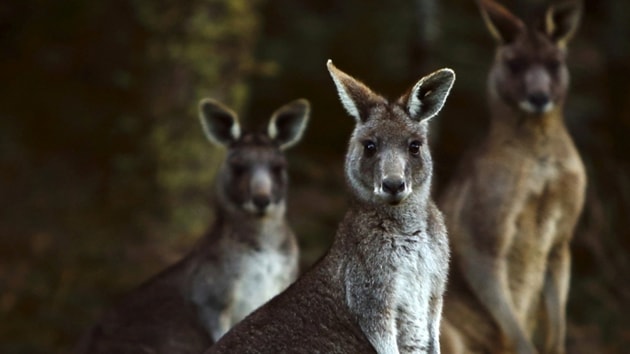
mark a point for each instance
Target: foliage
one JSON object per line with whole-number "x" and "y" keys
{"x": 101, "y": 156}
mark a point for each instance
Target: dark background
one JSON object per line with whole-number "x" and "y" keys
{"x": 105, "y": 176}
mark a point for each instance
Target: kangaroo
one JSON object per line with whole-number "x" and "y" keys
{"x": 248, "y": 256}
{"x": 379, "y": 287}
{"x": 515, "y": 199}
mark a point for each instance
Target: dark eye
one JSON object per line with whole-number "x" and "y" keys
{"x": 238, "y": 169}
{"x": 414, "y": 148}
{"x": 516, "y": 66}
{"x": 553, "y": 65}
{"x": 369, "y": 147}
{"x": 277, "y": 168}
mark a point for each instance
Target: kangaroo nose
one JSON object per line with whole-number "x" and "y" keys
{"x": 538, "y": 100}
{"x": 393, "y": 185}
{"x": 261, "y": 201}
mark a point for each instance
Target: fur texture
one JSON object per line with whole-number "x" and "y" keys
{"x": 379, "y": 288}
{"x": 515, "y": 199}
{"x": 248, "y": 256}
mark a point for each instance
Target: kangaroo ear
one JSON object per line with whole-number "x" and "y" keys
{"x": 288, "y": 123}
{"x": 355, "y": 97}
{"x": 219, "y": 123}
{"x": 562, "y": 20}
{"x": 426, "y": 98}
{"x": 501, "y": 23}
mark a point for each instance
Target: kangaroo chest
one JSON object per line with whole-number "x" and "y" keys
{"x": 544, "y": 215}
{"x": 235, "y": 278}
{"x": 417, "y": 279}
{"x": 416, "y": 265}
{"x": 397, "y": 287}
{"x": 551, "y": 188}
{"x": 261, "y": 275}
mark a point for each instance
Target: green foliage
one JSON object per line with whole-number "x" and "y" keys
{"x": 201, "y": 48}
{"x": 101, "y": 152}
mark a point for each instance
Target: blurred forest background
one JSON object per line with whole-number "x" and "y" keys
{"x": 105, "y": 176}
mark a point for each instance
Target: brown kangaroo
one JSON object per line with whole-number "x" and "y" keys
{"x": 515, "y": 199}
{"x": 379, "y": 288}
{"x": 248, "y": 256}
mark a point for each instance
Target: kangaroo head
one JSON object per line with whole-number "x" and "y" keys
{"x": 529, "y": 72}
{"x": 388, "y": 157}
{"x": 253, "y": 178}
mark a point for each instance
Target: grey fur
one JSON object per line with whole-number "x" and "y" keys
{"x": 379, "y": 288}
{"x": 248, "y": 256}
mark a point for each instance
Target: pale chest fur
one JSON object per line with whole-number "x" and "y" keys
{"x": 262, "y": 275}
{"x": 420, "y": 278}
{"x": 236, "y": 277}
{"x": 417, "y": 270}
{"x": 395, "y": 278}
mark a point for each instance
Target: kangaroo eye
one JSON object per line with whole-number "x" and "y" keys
{"x": 369, "y": 147}
{"x": 553, "y": 65}
{"x": 516, "y": 66}
{"x": 414, "y": 148}
{"x": 238, "y": 169}
{"x": 277, "y": 168}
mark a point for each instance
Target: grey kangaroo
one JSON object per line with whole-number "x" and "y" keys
{"x": 514, "y": 201}
{"x": 248, "y": 256}
{"x": 379, "y": 288}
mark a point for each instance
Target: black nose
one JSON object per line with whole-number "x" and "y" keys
{"x": 393, "y": 186}
{"x": 261, "y": 201}
{"x": 538, "y": 100}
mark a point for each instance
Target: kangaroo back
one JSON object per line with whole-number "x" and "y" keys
{"x": 248, "y": 255}
{"x": 379, "y": 287}
{"x": 515, "y": 199}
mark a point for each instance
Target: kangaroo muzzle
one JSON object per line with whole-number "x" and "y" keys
{"x": 538, "y": 91}
{"x": 261, "y": 190}
{"x": 392, "y": 185}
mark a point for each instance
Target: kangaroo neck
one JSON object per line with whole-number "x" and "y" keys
{"x": 509, "y": 121}
{"x": 402, "y": 218}
{"x": 249, "y": 228}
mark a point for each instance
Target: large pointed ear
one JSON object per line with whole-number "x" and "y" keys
{"x": 355, "y": 97}
{"x": 220, "y": 124}
{"x": 562, "y": 20}
{"x": 288, "y": 123}
{"x": 426, "y": 98}
{"x": 501, "y": 23}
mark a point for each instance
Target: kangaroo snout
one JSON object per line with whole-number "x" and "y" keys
{"x": 538, "y": 95}
{"x": 261, "y": 189}
{"x": 393, "y": 185}
{"x": 390, "y": 178}
{"x": 261, "y": 201}
{"x": 539, "y": 100}
{"x": 394, "y": 189}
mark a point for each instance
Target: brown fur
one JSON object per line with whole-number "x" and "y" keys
{"x": 516, "y": 198}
